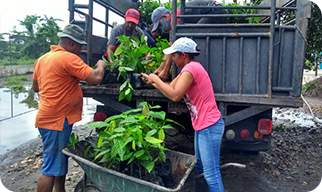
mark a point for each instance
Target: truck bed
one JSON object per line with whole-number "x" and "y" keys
{"x": 112, "y": 91}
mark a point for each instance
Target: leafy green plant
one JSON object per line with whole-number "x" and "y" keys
{"x": 157, "y": 52}
{"x": 18, "y": 88}
{"x": 130, "y": 56}
{"x": 312, "y": 88}
{"x": 241, "y": 11}
{"x": 308, "y": 64}
{"x": 314, "y": 40}
{"x": 306, "y": 86}
{"x": 147, "y": 7}
{"x": 135, "y": 137}
{"x": 14, "y": 81}
{"x": 279, "y": 128}
{"x": 168, "y": 4}
{"x": 74, "y": 138}
{"x": 13, "y": 61}
{"x": 146, "y": 10}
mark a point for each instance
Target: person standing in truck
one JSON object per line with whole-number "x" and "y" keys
{"x": 162, "y": 19}
{"x": 151, "y": 36}
{"x": 129, "y": 28}
{"x": 56, "y": 79}
{"x": 194, "y": 86}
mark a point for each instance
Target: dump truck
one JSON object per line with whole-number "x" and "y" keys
{"x": 254, "y": 67}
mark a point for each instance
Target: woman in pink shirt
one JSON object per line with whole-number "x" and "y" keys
{"x": 194, "y": 86}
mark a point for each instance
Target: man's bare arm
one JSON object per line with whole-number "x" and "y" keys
{"x": 164, "y": 68}
{"x": 97, "y": 74}
{"x": 35, "y": 86}
{"x": 110, "y": 48}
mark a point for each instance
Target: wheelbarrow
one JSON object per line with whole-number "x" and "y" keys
{"x": 102, "y": 179}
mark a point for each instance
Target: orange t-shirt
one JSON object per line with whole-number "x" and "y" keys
{"x": 60, "y": 96}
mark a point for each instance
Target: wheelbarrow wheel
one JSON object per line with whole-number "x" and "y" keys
{"x": 90, "y": 187}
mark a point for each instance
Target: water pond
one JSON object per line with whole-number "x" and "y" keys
{"x": 18, "y": 109}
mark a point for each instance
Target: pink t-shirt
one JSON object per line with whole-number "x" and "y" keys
{"x": 200, "y": 98}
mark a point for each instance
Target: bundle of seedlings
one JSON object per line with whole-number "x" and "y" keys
{"x": 130, "y": 59}
{"x": 133, "y": 143}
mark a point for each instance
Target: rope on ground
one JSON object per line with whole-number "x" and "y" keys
{"x": 315, "y": 119}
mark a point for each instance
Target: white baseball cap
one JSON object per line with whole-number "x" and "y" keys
{"x": 184, "y": 45}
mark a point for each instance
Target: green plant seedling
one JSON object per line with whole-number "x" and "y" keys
{"x": 135, "y": 137}
{"x": 130, "y": 57}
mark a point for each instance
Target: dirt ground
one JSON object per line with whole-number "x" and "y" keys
{"x": 293, "y": 164}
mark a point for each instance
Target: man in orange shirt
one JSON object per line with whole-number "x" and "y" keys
{"x": 56, "y": 78}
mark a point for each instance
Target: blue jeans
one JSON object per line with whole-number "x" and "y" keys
{"x": 207, "y": 151}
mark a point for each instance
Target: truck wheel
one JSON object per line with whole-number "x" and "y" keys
{"x": 90, "y": 187}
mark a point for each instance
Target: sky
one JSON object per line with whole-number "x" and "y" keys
{"x": 13, "y": 10}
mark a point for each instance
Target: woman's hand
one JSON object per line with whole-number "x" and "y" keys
{"x": 149, "y": 79}
{"x": 144, "y": 77}
{"x": 148, "y": 56}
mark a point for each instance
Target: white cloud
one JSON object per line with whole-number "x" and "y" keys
{"x": 11, "y": 11}
{"x": 14, "y": 10}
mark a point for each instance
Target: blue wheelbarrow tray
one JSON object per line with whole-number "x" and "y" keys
{"x": 108, "y": 180}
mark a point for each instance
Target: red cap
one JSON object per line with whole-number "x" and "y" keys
{"x": 132, "y": 15}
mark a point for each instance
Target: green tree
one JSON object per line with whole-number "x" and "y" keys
{"x": 1, "y": 37}
{"x": 314, "y": 37}
{"x": 146, "y": 10}
{"x": 36, "y": 37}
{"x": 3, "y": 47}
{"x": 48, "y": 29}
{"x": 31, "y": 24}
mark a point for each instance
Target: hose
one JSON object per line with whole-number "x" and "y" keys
{"x": 315, "y": 119}
{"x": 238, "y": 165}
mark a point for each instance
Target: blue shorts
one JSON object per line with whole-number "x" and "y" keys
{"x": 55, "y": 163}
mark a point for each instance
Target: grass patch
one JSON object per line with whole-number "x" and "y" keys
{"x": 279, "y": 128}
{"x": 14, "y": 81}
{"x": 21, "y": 61}
{"x": 18, "y": 88}
{"x": 313, "y": 88}
{"x": 306, "y": 86}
